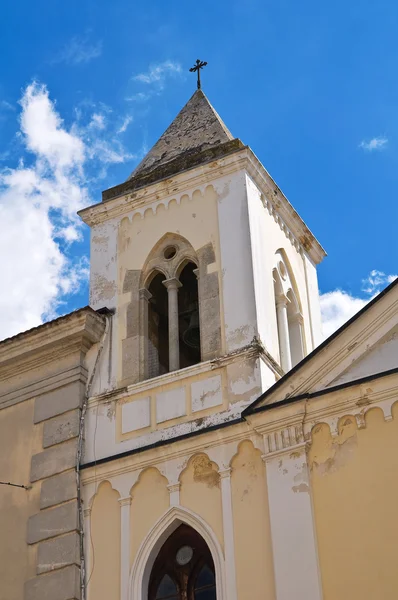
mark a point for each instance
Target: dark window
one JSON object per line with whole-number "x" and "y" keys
{"x": 183, "y": 569}
{"x": 205, "y": 585}
{"x": 158, "y": 328}
{"x": 188, "y": 317}
{"x": 167, "y": 589}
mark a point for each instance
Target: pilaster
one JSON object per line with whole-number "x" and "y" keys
{"x": 174, "y": 490}
{"x": 125, "y": 546}
{"x": 294, "y": 548}
{"x": 228, "y": 527}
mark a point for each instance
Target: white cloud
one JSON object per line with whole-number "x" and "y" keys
{"x": 79, "y": 50}
{"x": 336, "y": 308}
{"x": 38, "y": 203}
{"x": 125, "y": 124}
{"x": 6, "y": 105}
{"x": 375, "y": 281}
{"x": 138, "y": 97}
{"x": 377, "y": 143}
{"x": 339, "y": 306}
{"x": 158, "y": 73}
{"x": 97, "y": 121}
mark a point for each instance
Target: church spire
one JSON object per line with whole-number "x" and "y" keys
{"x": 196, "y": 128}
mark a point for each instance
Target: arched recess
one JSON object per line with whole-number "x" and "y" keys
{"x": 288, "y": 312}
{"x": 149, "y": 549}
{"x": 169, "y": 308}
{"x": 103, "y": 546}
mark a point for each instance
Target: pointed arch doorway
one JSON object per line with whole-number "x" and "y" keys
{"x": 183, "y": 568}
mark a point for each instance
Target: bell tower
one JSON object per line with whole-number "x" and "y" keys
{"x": 211, "y": 275}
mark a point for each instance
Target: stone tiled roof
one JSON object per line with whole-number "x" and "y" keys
{"x": 196, "y": 128}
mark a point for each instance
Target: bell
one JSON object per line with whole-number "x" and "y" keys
{"x": 191, "y": 335}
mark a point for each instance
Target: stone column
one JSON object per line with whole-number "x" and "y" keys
{"x": 296, "y": 338}
{"x": 228, "y": 527}
{"x": 125, "y": 546}
{"x": 174, "y": 490}
{"x": 172, "y": 286}
{"x": 283, "y": 332}
{"x": 145, "y": 296}
{"x": 293, "y": 535}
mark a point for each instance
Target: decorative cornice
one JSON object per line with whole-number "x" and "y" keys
{"x": 162, "y": 192}
{"x": 225, "y": 473}
{"x": 174, "y": 487}
{"x": 173, "y": 167}
{"x": 49, "y": 342}
{"x": 125, "y": 501}
{"x": 249, "y": 351}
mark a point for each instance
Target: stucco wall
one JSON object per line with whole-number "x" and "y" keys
{"x": 355, "y": 493}
{"x": 267, "y": 236}
{"x": 19, "y": 441}
{"x": 150, "y": 500}
{"x": 200, "y": 492}
{"x": 104, "y": 570}
{"x": 252, "y": 534}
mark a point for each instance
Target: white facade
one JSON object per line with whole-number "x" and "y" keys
{"x": 232, "y": 210}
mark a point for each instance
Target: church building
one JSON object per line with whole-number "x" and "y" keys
{"x": 190, "y": 435}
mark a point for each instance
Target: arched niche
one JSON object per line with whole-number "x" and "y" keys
{"x": 169, "y": 308}
{"x": 288, "y": 312}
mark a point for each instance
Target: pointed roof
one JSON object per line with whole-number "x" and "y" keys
{"x": 196, "y": 128}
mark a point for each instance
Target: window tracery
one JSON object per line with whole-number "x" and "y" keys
{"x": 183, "y": 569}
{"x": 288, "y": 315}
{"x": 169, "y": 311}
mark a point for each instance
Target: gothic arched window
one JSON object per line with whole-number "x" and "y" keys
{"x": 183, "y": 569}
{"x": 288, "y": 315}
{"x": 169, "y": 314}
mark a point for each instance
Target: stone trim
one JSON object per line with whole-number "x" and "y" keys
{"x": 58, "y": 489}
{"x": 49, "y": 384}
{"x": 61, "y": 429}
{"x": 54, "y": 531}
{"x": 58, "y": 553}
{"x": 52, "y": 522}
{"x": 63, "y": 584}
{"x": 54, "y": 460}
{"x": 58, "y": 401}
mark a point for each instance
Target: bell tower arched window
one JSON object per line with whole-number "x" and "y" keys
{"x": 288, "y": 315}
{"x": 158, "y": 328}
{"x": 183, "y": 569}
{"x": 169, "y": 309}
{"x": 188, "y": 317}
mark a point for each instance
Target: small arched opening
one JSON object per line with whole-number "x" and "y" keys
{"x": 288, "y": 315}
{"x": 188, "y": 317}
{"x": 183, "y": 568}
{"x": 158, "y": 327}
{"x": 295, "y": 327}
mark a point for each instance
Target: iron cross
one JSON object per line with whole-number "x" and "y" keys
{"x": 196, "y": 69}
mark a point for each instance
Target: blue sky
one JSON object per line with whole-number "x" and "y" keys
{"x": 311, "y": 87}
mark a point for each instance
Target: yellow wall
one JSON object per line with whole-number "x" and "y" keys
{"x": 105, "y": 533}
{"x": 200, "y": 492}
{"x": 355, "y": 493}
{"x": 150, "y": 500}
{"x": 252, "y": 536}
{"x": 19, "y": 441}
{"x": 195, "y": 218}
